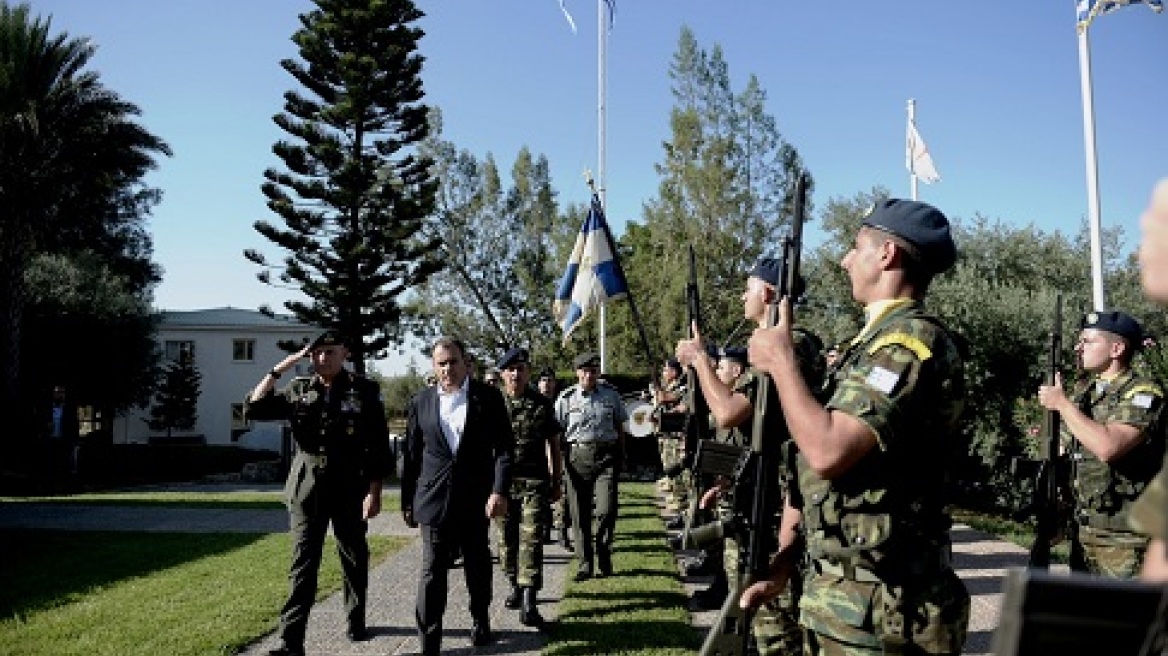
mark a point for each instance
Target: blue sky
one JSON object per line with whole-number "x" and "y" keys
{"x": 996, "y": 84}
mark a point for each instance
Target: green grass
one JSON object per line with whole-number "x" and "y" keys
{"x": 390, "y": 501}
{"x": 1020, "y": 533}
{"x": 640, "y": 610}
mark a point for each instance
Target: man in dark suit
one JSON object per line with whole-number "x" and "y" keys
{"x": 342, "y": 455}
{"x": 455, "y": 477}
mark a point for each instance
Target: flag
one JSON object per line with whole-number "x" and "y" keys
{"x": 593, "y": 276}
{"x": 917, "y": 157}
{"x": 1087, "y": 10}
{"x": 572, "y": 24}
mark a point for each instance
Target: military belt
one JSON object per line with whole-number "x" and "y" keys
{"x": 591, "y": 444}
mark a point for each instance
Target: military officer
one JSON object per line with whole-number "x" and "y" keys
{"x": 1118, "y": 442}
{"x": 593, "y": 416}
{"x": 561, "y": 517}
{"x": 535, "y": 479}
{"x": 669, "y": 397}
{"x": 873, "y": 457}
{"x": 342, "y": 455}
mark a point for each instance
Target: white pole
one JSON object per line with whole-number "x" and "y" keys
{"x": 912, "y": 176}
{"x": 1092, "y": 171}
{"x": 601, "y": 117}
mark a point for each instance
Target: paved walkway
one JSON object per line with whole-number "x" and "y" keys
{"x": 981, "y": 561}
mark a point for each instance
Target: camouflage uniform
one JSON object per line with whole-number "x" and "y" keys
{"x": 1105, "y": 492}
{"x": 672, "y": 446}
{"x": 520, "y": 532}
{"x": 1148, "y": 514}
{"x": 880, "y": 578}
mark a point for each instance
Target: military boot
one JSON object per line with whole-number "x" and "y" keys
{"x": 530, "y": 616}
{"x": 514, "y": 598}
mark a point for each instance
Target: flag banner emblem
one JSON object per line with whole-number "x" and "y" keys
{"x": 593, "y": 276}
{"x": 917, "y": 157}
{"x": 1087, "y": 10}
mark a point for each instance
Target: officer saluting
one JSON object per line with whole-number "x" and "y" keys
{"x": 593, "y": 416}
{"x": 535, "y": 478}
{"x": 342, "y": 455}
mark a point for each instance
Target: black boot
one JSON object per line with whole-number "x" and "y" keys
{"x": 515, "y": 598}
{"x": 530, "y": 616}
{"x": 566, "y": 538}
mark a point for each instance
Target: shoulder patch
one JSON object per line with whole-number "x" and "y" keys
{"x": 902, "y": 339}
{"x": 1144, "y": 388}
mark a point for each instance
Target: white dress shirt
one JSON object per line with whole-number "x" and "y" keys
{"x": 452, "y": 413}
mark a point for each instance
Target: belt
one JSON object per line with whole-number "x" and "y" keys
{"x": 591, "y": 443}
{"x": 316, "y": 459}
{"x": 844, "y": 571}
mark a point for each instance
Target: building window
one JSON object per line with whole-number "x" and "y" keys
{"x": 175, "y": 349}
{"x": 243, "y": 350}
{"x": 239, "y": 422}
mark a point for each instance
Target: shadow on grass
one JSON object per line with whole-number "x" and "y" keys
{"x": 44, "y": 569}
{"x": 654, "y": 637}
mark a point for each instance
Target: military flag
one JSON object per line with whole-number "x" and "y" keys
{"x": 594, "y": 275}
{"x": 917, "y": 157}
{"x": 1087, "y": 10}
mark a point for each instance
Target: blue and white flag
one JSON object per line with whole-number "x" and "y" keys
{"x": 572, "y": 23}
{"x": 1087, "y": 10}
{"x": 594, "y": 275}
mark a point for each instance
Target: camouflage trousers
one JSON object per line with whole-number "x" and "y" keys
{"x": 677, "y": 497}
{"x": 775, "y": 626}
{"x": 520, "y": 533}
{"x": 862, "y": 616}
{"x": 1106, "y": 552}
{"x": 561, "y": 511}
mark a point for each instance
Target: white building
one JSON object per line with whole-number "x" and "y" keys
{"x": 233, "y": 349}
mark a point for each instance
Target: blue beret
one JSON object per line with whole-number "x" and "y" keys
{"x": 767, "y": 270}
{"x": 514, "y": 356}
{"x": 586, "y": 360}
{"x": 327, "y": 338}
{"x": 1117, "y": 323}
{"x": 735, "y": 353}
{"x": 921, "y": 225}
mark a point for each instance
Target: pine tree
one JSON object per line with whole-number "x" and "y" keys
{"x": 176, "y": 401}
{"x": 354, "y": 193}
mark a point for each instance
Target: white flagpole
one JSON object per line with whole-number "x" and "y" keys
{"x": 601, "y": 119}
{"x": 1092, "y": 170}
{"x": 912, "y": 176}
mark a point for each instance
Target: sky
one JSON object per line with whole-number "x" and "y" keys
{"x": 996, "y": 84}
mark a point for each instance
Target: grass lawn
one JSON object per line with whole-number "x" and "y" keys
{"x": 390, "y": 500}
{"x": 124, "y": 594}
{"x": 1019, "y": 533}
{"x": 640, "y": 610}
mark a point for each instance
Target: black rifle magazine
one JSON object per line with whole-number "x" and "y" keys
{"x": 1044, "y": 613}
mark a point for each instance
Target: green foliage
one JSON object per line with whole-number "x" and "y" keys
{"x": 177, "y": 399}
{"x": 396, "y": 391}
{"x": 353, "y": 195}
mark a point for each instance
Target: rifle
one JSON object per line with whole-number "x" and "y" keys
{"x": 1047, "y": 482}
{"x": 757, "y": 529}
{"x": 697, "y": 425}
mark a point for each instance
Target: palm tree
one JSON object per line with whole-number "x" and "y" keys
{"x": 68, "y": 147}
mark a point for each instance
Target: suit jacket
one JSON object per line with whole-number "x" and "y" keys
{"x": 440, "y": 485}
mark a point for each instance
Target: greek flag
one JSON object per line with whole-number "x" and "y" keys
{"x": 1087, "y": 10}
{"x": 594, "y": 275}
{"x": 917, "y": 157}
{"x": 571, "y": 23}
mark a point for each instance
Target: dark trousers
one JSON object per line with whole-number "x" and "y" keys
{"x": 439, "y": 544}
{"x": 592, "y": 496}
{"x": 309, "y": 526}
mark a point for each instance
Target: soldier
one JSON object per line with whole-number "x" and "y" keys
{"x": 731, "y": 400}
{"x": 1117, "y": 443}
{"x": 670, "y": 398}
{"x": 872, "y": 459}
{"x": 593, "y": 416}
{"x": 561, "y": 516}
{"x": 536, "y": 477}
{"x": 342, "y": 455}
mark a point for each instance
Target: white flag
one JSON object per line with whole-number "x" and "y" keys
{"x": 917, "y": 157}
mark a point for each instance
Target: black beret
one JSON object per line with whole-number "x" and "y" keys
{"x": 921, "y": 225}
{"x": 735, "y": 353}
{"x": 673, "y": 364}
{"x": 767, "y": 270}
{"x": 514, "y": 356}
{"x": 327, "y": 338}
{"x": 586, "y": 360}
{"x": 1117, "y": 323}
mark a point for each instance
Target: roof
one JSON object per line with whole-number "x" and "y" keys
{"x": 229, "y": 317}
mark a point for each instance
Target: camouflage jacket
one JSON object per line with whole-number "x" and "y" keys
{"x": 534, "y": 423}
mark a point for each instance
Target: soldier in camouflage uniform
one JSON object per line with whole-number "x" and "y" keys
{"x": 873, "y": 457}
{"x": 670, "y": 398}
{"x": 561, "y": 517}
{"x": 731, "y": 400}
{"x": 1116, "y": 443}
{"x": 535, "y": 478}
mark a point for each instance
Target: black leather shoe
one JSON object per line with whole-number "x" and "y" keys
{"x": 514, "y": 599}
{"x": 286, "y": 650}
{"x": 357, "y": 634}
{"x": 480, "y": 634}
{"x": 604, "y": 563}
{"x": 530, "y": 614}
{"x": 583, "y": 574}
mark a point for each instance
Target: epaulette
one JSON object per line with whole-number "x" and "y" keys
{"x": 906, "y": 340}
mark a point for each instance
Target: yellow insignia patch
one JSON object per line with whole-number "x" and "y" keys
{"x": 903, "y": 339}
{"x": 1144, "y": 388}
